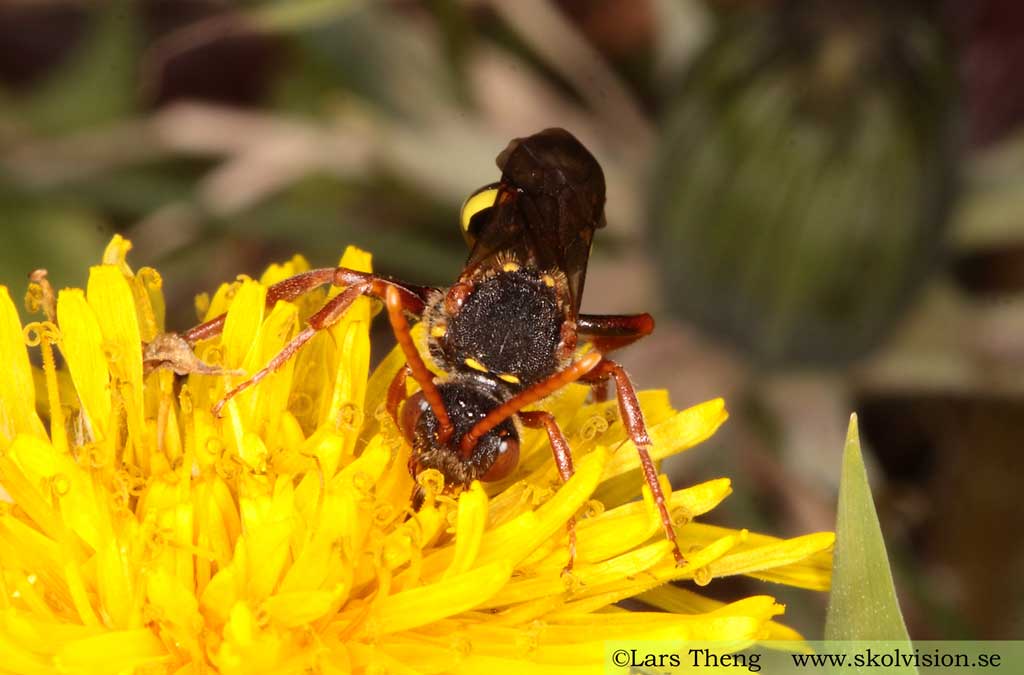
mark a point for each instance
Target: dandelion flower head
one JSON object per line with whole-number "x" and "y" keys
{"x": 139, "y": 533}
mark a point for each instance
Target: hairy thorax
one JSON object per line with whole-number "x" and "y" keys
{"x": 510, "y": 324}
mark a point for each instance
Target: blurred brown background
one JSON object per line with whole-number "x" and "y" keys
{"x": 821, "y": 202}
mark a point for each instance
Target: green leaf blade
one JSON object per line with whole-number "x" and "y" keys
{"x": 862, "y": 604}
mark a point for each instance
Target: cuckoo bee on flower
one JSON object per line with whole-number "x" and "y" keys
{"x": 506, "y": 332}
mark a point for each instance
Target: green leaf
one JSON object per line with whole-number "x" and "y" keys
{"x": 862, "y": 604}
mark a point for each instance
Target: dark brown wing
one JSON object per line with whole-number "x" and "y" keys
{"x": 550, "y": 202}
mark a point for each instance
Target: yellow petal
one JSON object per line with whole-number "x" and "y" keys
{"x": 82, "y": 346}
{"x": 17, "y": 390}
{"x": 112, "y": 302}
{"x": 226, "y": 588}
{"x": 813, "y": 573}
{"x": 681, "y": 432}
{"x": 301, "y": 607}
{"x": 112, "y": 652}
{"x": 469, "y": 529}
{"x": 518, "y": 538}
{"x": 271, "y": 396}
{"x": 631, "y": 524}
{"x": 279, "y": 272}
{"x": 553, "y": 514}
{"x": 25, "y": 492}
{"x": 586, "y": 576}
{"x": 243, "y": 322}
{"x": 352, "y": 339}
{"x": 805, "y": 557}
{"x": 18, "y": 659}
{"x": 672, "y": 598}
{"x": 432, "y": 602}
{"x": 380, "y": 380}
{"x": 804, "y": 562}
{"x": 268, "y": 522}
{"x": 178, "y": 610}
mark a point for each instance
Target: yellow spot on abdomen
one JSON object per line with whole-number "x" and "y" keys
{"x": 509, "y": 377}
{"x": 510, "y": 267}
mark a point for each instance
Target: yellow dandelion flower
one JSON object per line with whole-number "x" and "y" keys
{"x": 142, "y": 534}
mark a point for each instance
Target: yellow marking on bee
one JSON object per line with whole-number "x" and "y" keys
{"x": 548, "y": 280}
{"x": 476, "y": 365}
{"x": 510, "y": 267}
{"x": 508, "y": 377}
{"x": 478, "y": 201}
{"x": 438, "y": 331}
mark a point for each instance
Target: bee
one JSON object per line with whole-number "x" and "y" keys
{"x": 506, "y": 332}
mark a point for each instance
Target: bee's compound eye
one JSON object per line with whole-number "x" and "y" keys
{"x": 411, "y": 413}
{"x": 505, "y": 462}
{"x": 478, "y": 202}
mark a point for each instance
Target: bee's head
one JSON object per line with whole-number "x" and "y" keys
{"x": 493, "y": 457}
